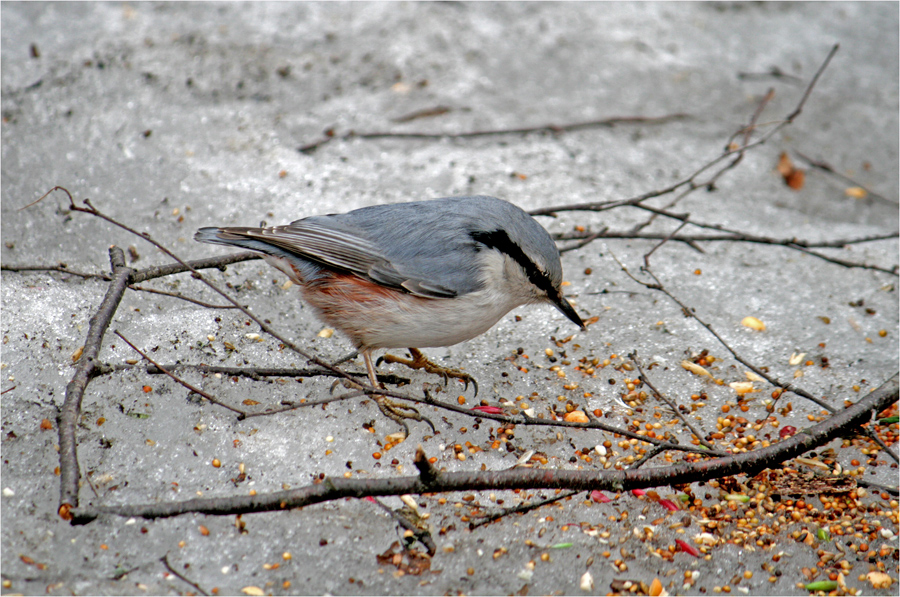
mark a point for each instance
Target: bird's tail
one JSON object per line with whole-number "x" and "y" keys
{"x": 237, "y": 237}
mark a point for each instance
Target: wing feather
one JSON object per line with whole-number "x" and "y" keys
{"x": 342, "y": 249}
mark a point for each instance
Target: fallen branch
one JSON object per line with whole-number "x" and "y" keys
{"x": 68, "y": 414}
{"x": 329, "y": 489}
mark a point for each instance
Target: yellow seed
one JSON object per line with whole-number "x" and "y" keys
{"x": 753, "y": 323}
{"x": 216, "y": 462}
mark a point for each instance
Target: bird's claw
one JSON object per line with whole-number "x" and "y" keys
{"x": 397, "y": 412}
{"x": 419, "y": 361}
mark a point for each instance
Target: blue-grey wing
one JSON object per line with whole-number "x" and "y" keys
{"x": 397, "y": 251}
{"x": 334, "y": 243}
{"x": 426, "y": 248}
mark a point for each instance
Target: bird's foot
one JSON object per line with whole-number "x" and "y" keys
{"x": 419, "y": 361}
{"x": 399, "y": 412}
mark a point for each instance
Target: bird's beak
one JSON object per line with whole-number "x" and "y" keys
{"x": 563, "y": 305}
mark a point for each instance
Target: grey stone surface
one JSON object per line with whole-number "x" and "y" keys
{"x": 170, "y": 117}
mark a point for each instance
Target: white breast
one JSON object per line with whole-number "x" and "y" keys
{"x": 403, "y": 320}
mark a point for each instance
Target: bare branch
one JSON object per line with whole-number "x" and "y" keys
{"x": 547, "y": 128}
{"x": 748, "y": 463}
{"x": 68, "y": 414}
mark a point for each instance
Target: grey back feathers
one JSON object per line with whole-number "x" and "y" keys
{"x": 427, "y": 248}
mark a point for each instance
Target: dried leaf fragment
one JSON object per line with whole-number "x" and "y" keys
{"x": 793, "y": 176}
{"x": 785, "y": 165}
{"x": 796, "y": 180}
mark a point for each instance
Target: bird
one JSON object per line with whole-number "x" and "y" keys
{"x": 412, "y": 275}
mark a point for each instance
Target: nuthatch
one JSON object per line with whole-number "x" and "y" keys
{"x": 413, "y": 275}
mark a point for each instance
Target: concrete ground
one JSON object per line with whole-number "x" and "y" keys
{"x": 170, "y": 117}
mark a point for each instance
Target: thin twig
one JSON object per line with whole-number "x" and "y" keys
{"x": 179, "y": 296}
{"x": 547, "y": 128}
{"x": 646, "y": 380}
{"x": 63, "y": 268}
{"x": 196, "y": 587}
{"x": 586, "y": 241}
{"x": 734, "y": 236}
{"x": 296, "y": 405}
{"x": 194, "y": 389}
{"x": 730, "y": 236}
{"x": 774, "y": 73}
{"x": 849, "y": 264}
{"x": 812, "y": 84}
{"x": 826, "y": 167}
{"x": 661, "y": 243}
{"x": 521, "y": 508}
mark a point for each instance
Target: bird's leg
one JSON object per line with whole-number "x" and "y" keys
{"x": 419, "y": 361}
{"x": 391, "y": 409}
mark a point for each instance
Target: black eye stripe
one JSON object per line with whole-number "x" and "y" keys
{"x": 499, "y": 240}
